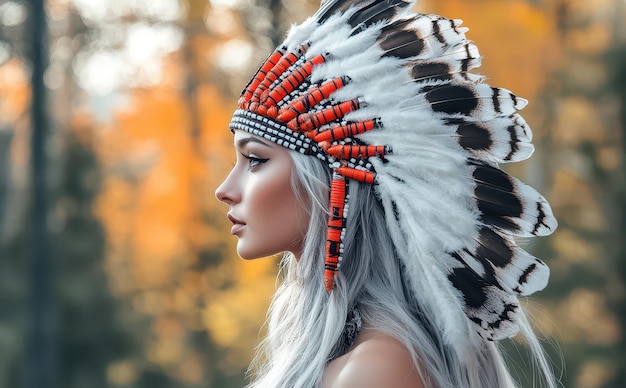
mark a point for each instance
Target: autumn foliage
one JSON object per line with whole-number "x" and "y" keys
{"x": 193, "y": 309}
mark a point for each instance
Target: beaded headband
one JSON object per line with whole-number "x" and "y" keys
{"x": 360, "y": 79}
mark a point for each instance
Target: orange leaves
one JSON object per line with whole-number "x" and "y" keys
{"x": 154, "y": 113}
{"x": 149, "y": 154}
{"x": 577, "y": 119}
{"x": 163, "y": 224}
{"x": 215, "y": 111}
{"x": 14, "y": 90}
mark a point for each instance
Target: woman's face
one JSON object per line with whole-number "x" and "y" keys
{"x": 266, "y": 215}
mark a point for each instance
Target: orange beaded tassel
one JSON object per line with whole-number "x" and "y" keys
{"x": 336, "y": 229}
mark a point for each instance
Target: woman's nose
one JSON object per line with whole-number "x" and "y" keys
{"x": 227, "y": 191}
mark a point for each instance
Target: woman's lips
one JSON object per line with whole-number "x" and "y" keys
{"x": 237, "y": 228}
{"x": 237, "y": 224}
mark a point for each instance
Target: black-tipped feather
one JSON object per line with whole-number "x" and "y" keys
{"x": 438, "y": 71}
{"x": 402, "y": 44}
{"x": 493, "y": 248}
{"x": 497, "y": 198}
{"x": 398, "y": 39}
{"x": 473, "y": 136}
{"x": 453, "y": 99}
{"x": 377, "y": 11}
{"x": 331, "y": 7}
{"x": 488, "y": 306}
{"x": 470, "y": 284}
{"x": 500, "y": 140}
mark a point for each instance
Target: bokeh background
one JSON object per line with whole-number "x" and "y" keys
{"x": 116, "y": 264}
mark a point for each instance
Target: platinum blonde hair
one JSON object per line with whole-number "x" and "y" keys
{"x": 305, "y": 323}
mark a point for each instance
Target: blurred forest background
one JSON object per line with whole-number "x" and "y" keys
{"x": 130, "y": 278}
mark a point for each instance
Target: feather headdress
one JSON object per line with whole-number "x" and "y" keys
{"x": 385, "y": 96}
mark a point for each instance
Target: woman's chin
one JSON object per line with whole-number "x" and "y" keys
{"x": 250, "y": 254}
{"x": 247, "y": 256}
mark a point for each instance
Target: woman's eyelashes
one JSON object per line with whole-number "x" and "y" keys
{"x": 254, "y": 161}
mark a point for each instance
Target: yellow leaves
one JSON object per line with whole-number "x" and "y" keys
{"x": 593, "y": 40}
{"x": 170, "y": 333}
{"x": 169, "y": 349}
{"x": 166, "y": 351}
{"x": 223, "y": 324}
{"x": 249, "y": 270}
{"x": 595, "y": 373}
{"x": 580, "y": 10}
{"x": 578, "y": 121}
{"x": 586, "y": 74}
{"x": 123, "y": 372}
{"x": 233, "y": 314}
{"x": 191, "y": 370}
{"x": 152, "y": 302}
{"x": 571, "y": 194}
{"x": 582, "y": 316}
{"x": 589, "y": 319}
{"x": 571, "y": 248}
{"x": 610, "y": 157}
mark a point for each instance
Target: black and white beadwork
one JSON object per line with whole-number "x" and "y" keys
{"x": 442, "y": 131}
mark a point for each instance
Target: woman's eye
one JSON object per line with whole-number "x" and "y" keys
{"x": 253, "y": 161}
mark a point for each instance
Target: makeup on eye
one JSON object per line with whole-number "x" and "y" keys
{"x": 253, "y": 161}
{"x": 247, "y": 148}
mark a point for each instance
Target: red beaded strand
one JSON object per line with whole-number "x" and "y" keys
{"x": 291, "y": 82}
{"x": 346, "y": 151}
{"x": 340, "y": 132}
{"x": 308, "y": 121}
{"x": 313, "y": 97}
{"x": 258, "y": 78}
{"x": 357, "y": 175}
{"x": 336, "y": 229}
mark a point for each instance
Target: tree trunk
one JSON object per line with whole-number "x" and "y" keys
{"x": 41, "y": 345}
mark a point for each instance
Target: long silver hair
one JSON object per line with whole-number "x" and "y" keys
{"x": 305, "y": 323}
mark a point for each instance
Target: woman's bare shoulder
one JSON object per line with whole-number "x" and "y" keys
{"x": 376, "y": 360}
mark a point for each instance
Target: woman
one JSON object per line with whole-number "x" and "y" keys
{"x": 368, "y": 153}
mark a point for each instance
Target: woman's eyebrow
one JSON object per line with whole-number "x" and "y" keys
{"x": 241, "y": 143}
